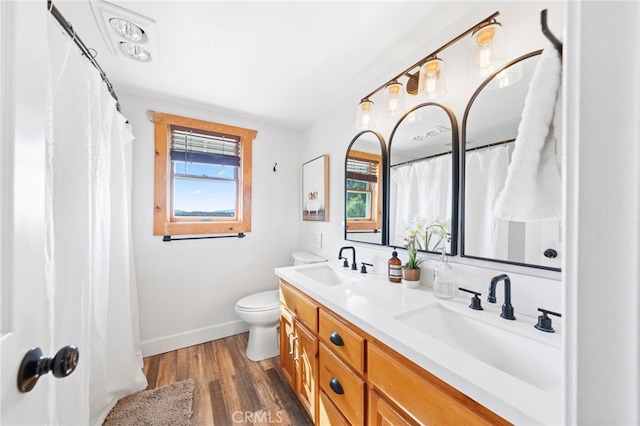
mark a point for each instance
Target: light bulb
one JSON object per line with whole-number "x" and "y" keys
{"x": 431, "y": 84}
{"x": 128, "y": 30}
{"x": 394, "y": 98}
{"x": 365, "y": 119}
{"x": 486, "y": 54}
{"x": 134, "y": 51}
{"x": 485, "y": 60}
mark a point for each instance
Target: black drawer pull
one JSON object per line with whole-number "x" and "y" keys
{"x": 336, "y": 386}
{"x": 336, "y": 339}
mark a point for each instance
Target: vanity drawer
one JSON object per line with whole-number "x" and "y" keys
{"x": 328, "y": 413}
{"x": 422, "y": 395}
{"x": 303, "y": 308}
{"x": 342, "y": 340}
{"x": 343, "y": 387}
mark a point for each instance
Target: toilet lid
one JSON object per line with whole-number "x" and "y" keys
{"x": 260, "y": 301}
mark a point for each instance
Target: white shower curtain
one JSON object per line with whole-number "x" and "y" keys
{"x": 421, "y": 189}
{"x": 90, "y": 278}
{"x": 486, "y": 171}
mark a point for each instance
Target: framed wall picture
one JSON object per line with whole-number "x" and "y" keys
{"x": 315, "y": 189}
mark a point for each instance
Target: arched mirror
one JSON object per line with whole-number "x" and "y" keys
{"x": 423, "y": 179}
{"x": 365, "y": 166}
{"x": 489, "y": 130}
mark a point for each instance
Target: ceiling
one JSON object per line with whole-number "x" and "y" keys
{"x": 287, "y": 63}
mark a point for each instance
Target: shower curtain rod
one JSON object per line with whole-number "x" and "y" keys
{"x": 489, "y": 145}
{"x": 66, "y": 25}
{"x": 420, "y": 159}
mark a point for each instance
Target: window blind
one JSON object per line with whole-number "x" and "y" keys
{"x": 362, "y": 169}
{"x": 201, "y": 146}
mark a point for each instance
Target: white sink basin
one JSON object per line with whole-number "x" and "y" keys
{"x": 329, "y": 276}
{"x": 531, "y": 361}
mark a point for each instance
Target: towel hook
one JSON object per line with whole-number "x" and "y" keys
{"x": 548, "y": 34}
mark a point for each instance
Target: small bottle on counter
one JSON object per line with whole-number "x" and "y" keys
{"x": 395, "y": 268}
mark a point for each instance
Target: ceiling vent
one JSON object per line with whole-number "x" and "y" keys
{"x": 438, "y": 130}
{"x": 127, "y": 33}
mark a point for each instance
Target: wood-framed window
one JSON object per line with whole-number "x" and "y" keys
{"x": 364, "y": 201}
{"x": 202, "y": 177}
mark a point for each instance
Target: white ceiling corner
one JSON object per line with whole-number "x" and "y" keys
{"x": 286, "y": 62}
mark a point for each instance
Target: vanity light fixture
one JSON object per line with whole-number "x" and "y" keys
{"x": 426, "y": 77}
{"x": 365, "y": 119}
{"x": 431, "y": 83}
{"x": 486, "y": 54}
{"x": 394, "y": 98}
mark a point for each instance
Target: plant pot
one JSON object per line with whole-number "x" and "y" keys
{"x": 410, "y": 284}
{"x": 411, "y": 274}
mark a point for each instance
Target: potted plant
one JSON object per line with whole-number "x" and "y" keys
{"x": 411, "y": 269}
{"x": 418, "y": 237}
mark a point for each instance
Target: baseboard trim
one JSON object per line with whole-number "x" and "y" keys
{"x": 192, "y": 337}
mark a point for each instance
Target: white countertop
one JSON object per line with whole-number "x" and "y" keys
{"x": 373, "y": 304}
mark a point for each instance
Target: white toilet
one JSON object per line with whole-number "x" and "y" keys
{"x": 262, "y": 312}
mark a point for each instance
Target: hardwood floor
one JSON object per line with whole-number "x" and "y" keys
{"x": 229, "y": 388}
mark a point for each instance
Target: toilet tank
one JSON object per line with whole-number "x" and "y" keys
{"x": 303, "y": 258}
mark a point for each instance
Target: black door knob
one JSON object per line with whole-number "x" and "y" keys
{"x": 34, "y": 365}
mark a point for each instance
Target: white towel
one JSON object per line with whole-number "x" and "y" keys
{"x": 533, "y": 188}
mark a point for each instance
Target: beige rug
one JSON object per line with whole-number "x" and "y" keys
{"x": 166, "y": 406}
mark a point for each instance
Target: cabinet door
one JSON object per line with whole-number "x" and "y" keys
{"x": 306, "y": 359}
{"x": 383, "y": 413}
{"x": 287, "y": 364}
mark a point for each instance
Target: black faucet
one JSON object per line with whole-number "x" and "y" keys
{"x": 507, "y": 309}
{"x": 354, "y": 266}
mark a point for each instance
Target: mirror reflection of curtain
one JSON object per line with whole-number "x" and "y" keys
{"x": 421, "y": 188}
{"x": 486, "y": 171}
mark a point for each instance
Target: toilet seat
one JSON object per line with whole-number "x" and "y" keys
{"x": 258, "y": 302}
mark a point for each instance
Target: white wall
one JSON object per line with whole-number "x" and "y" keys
{"x": 188, "y": 289}
{"x": 603, "y": 206}
{"x": 532, "y": 288}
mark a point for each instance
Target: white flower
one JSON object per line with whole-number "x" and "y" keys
{"x": 419, "y": 234}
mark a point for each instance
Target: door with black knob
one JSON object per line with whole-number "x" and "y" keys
{"x": 23, "y": 294}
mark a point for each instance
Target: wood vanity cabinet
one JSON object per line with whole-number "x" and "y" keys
{"x": 299, "y": 346}
{"x": 416, "y": 395}
{"x": 343, "y": 376}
